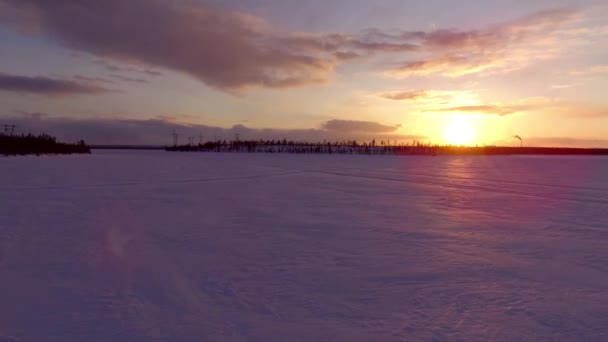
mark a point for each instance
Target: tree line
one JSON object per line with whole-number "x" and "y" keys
{"x": 38, "y": 144}
{"x": 372, "y": 148}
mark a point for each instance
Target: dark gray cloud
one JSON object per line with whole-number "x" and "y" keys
{"x": 48, "y": 86}
{"x": 158, "y": 131}
{"x": 352, "y": 126}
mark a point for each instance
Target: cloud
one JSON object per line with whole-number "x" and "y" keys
{"x": 231, "y": 50}
{"x": 129, "y": 79}
{"x": 583, "y": 111}
{"x": 424, "y": 98}
{"x": 450, "y": 65}
{"x": 352, "y": 126}
{"x": 152, "y": 72}
{"x": 90, "y": 79}
{"x": 48, "y": 86}
{"x": 499, "y": 48}
{"x": 158, "y": 131}
{"x": 406, "y": 95}
{"x": 226, "y": 50}
{"x": 31, "y": 115}
{"x": 126, "y": 68}
{"x": 555, "y": 107}
{"x": 565, "y": 85}
{"x": 499, "y": 110}
{"x": 596, "y": 70}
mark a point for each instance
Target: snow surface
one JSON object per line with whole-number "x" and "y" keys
{"x": 156, "y": 246}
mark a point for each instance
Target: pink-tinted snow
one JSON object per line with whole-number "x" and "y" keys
{"x": 156, "y": 246}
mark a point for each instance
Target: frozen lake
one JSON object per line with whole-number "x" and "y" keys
{"x": 156, "y": 246}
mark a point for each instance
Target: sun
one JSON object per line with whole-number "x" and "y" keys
{"x": 459, "y": 131}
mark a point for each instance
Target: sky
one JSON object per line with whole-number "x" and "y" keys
{"x": 444, "y": 72}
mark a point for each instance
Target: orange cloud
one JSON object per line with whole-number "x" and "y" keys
{"x": 406, "y": 95}
{"x": 485, "y": 109}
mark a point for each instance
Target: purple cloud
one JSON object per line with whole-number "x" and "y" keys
{"x": 227, "y": 50}
{"x": 129, "y": 79}
{"x": 48, "y": 86}
{"x": 158, "y": 131}
{"x": 231, "y": 50}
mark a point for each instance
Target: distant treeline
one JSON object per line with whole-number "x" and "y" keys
{"x": 372, "y": 148}
{"x": 38, "y": 144}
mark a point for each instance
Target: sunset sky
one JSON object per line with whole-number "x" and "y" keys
{"x": 460, "y": 72}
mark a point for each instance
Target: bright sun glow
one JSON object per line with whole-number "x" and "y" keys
{"x": 459, "y": 131}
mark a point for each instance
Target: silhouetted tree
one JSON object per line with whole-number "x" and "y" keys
{"x": 41, "y": 144}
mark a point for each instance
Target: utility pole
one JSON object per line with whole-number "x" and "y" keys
{"x": 175, "y": 138}
{"x": 521, "y": 141}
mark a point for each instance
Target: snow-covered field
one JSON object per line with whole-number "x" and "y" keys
{"x": 156, "y": 246}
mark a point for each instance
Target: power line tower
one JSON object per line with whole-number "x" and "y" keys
{"x": 175, "y": 138}
{"x": 200, "y": 138}
{"x": 9, "y": 129}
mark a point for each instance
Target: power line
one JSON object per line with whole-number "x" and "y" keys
{"x": 9, "y": 129}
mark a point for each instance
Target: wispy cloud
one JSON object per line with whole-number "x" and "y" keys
{"x": 48, "y": 86}
{"x": 469, "y": 103}
{"x": 565, "y": 85}
{"x": 596, "y": 70}
{"x": 557, "y": 108}
{"x": 353, "y": 126}
{"x": 405, "y": 95}
{"x": 125, "y": 67}
{"x": 91, "y": 79}
{"x": 129, "y": 79}
{"x": 505, "y": 47}
{"x": 484, "y": 109}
